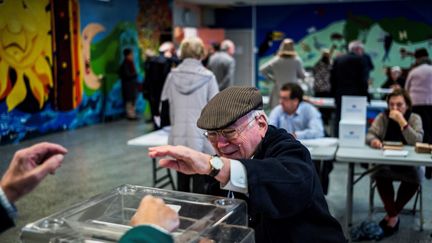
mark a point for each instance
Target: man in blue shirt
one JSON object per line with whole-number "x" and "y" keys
{"x": 302, "y": 120}
{"x": 299, "y": 118}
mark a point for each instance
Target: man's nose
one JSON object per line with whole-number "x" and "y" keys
{"x": 222, "y": 141}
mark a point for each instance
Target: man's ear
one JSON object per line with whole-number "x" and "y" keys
{"x": 262, "y": 126}
{"x": 262, "y": 122}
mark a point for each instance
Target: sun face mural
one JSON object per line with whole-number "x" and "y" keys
{"x": 25, "y": 53}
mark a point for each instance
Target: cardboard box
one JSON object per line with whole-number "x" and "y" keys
{"x": 352, "y": 133}
{"x": 423, "y": 148}
{"x": 354, "y": 108}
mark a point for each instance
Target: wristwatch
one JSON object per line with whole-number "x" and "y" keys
{"x": 216, "y": 165}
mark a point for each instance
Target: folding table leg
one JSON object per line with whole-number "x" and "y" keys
{"x": 154, "y": 170}
{"x": 171, "y": 180}
{"x": 349, "y": 200}
{"x": 163, "y": 181}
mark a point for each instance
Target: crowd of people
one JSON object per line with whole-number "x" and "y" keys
{"x": 407, "y": 119}
{"x": 222, "y": 142}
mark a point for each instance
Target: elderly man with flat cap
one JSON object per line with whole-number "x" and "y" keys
{"x": 266, "y": 164}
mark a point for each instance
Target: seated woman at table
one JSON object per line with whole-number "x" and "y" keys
{"x": 397, "y": 123}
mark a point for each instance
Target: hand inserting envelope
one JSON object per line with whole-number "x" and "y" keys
{"x": 174, "y": 207}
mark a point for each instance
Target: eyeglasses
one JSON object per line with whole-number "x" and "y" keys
{"x": 228, "y": 134}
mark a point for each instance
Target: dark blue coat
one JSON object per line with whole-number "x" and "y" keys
{"x": 5, "y": 221}
{"x": 286, "y": 202}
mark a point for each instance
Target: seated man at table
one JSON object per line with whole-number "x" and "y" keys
{"x": 271, "y": 169}
{"x": 296, "y": 116}
{"x": 398, "y": 123}
{"x": 302, "y": 120}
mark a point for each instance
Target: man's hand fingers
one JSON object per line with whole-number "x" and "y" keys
{"x": 48, "y": 148}
{"x": 169, "y": 163}
{"x": 48, "y": 166}
{"x": 43, "y": 151}
{"x": 158, "y": 151}
{"x": 177, "y": 165}
{"x": 162, "y": 151}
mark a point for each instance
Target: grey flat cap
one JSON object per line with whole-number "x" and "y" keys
{"x": 229, "y": 105}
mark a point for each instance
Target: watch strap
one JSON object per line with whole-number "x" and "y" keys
{"x": 214, "y": 171}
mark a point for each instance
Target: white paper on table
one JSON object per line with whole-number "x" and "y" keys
{"x": 395, "y": 153}
{"x": 319, "y": 142}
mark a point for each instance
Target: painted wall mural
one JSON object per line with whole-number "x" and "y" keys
{"x": 154, "y": 20}
{"x": 106, "y": 58}
{"x": 59, "y": 62}
{"x": 66, "y": 44}
{"x": 92, "y": 80}
{"x": 25, "y": 55}
{"x": 389, "y": 36}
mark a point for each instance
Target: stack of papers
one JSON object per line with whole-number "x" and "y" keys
{"x": 395, "y": 153}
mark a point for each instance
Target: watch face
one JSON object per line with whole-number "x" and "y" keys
{"x": 217, "y": 163}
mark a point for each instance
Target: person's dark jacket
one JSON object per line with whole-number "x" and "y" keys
{"x": 286, "y": 202}
{"x": 128, "y": 76}
{"x": 156, "y": 72}
{"x": 349, "y": 75}
{"x": 5, "y": 221}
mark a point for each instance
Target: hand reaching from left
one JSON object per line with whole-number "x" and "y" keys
{"x": 29, "y": 167}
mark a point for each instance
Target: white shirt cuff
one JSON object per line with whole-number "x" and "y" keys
{"x": 238, "y": 179}
{"x": 9, "y": 207}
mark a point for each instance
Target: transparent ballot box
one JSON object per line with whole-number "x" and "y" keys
{"x": 105, "y": 218}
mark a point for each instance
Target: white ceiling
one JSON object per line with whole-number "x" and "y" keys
{"x": 265, "y": 2}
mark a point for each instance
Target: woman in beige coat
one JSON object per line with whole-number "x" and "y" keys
{"x": 399, "y": 124}
{"x": 188, "y": 88}
{"x": 285, "y": 67}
